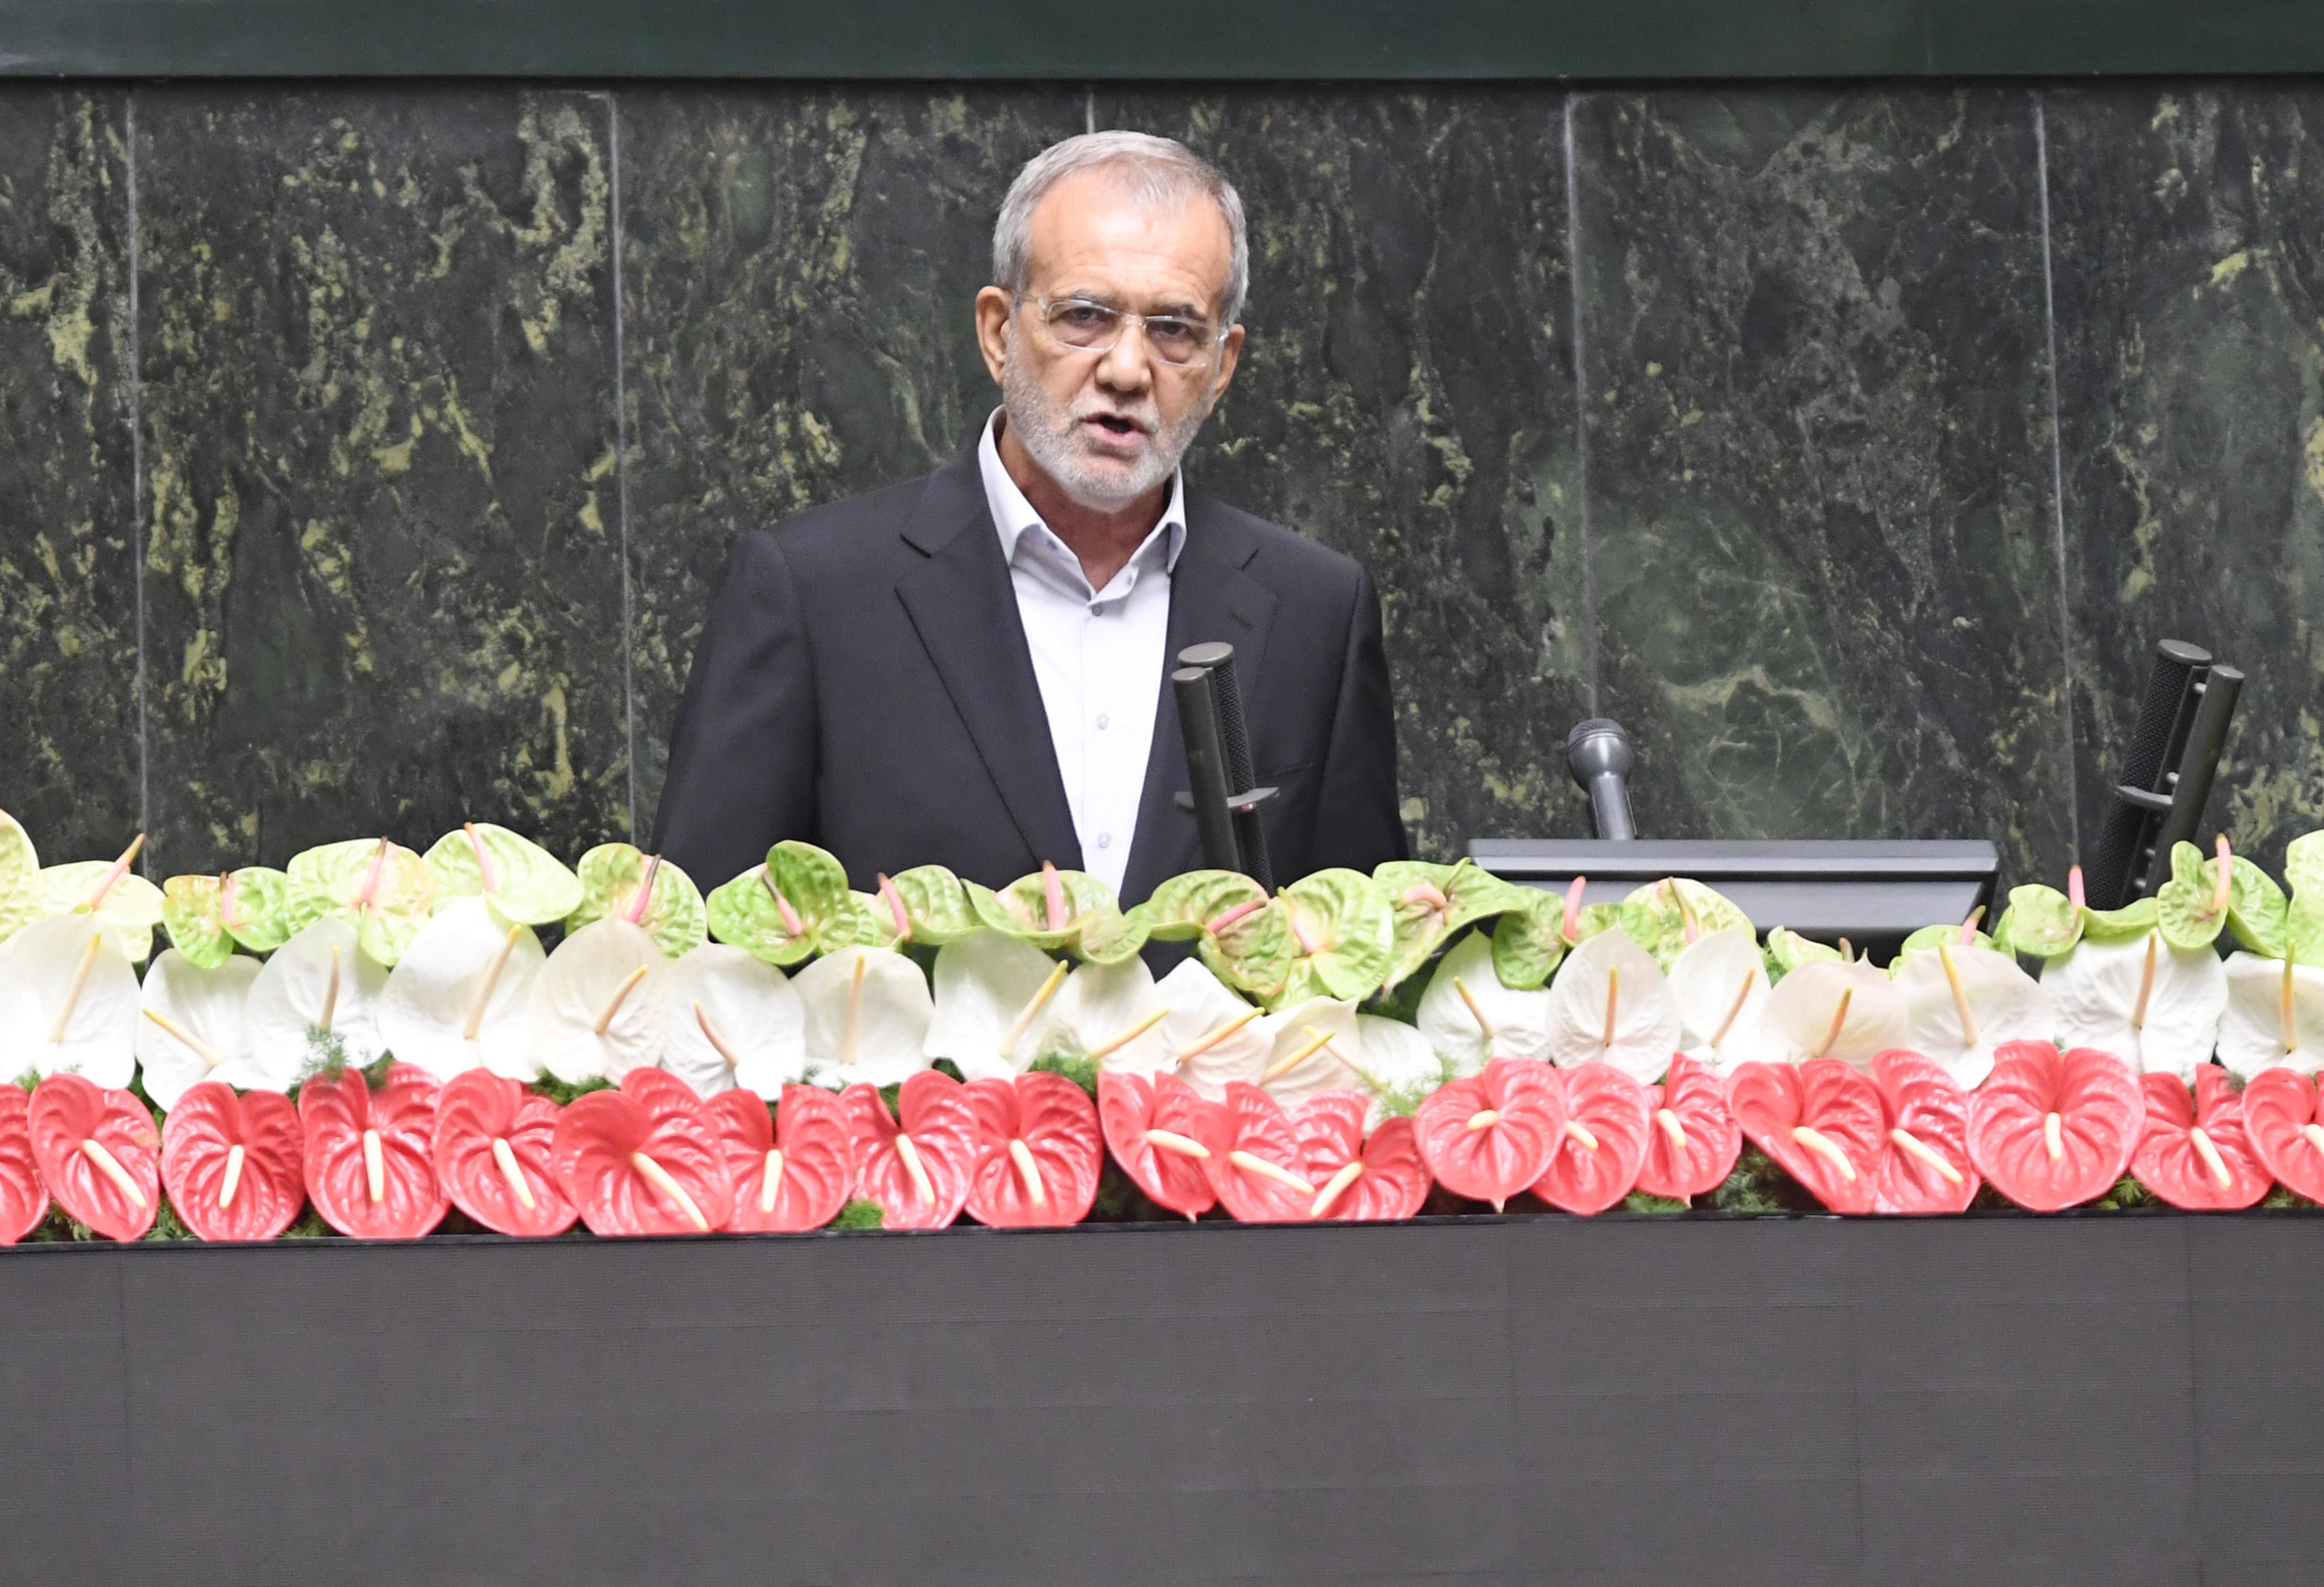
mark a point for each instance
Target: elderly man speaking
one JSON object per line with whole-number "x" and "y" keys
{"x": 969, "y": 668}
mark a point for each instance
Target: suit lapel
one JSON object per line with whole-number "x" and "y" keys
{"x": 964, "y": 609}
{"x": 1212, "y": 597}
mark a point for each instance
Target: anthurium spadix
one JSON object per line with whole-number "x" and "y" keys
{"x": 1834, "y": 1009}
{"x": 994, "y": 998}
{"x": 1721, "y": 983}
{"x": 2155, "y": 1007}
{"x": 524, "y": 882}
{"x": 600, "y": 1006}
{"x": 1209, "y": 1036}
{"x": 926, "y": 906}
{"x": 1428, "y": 903}
{"x": 1680, "y": 913}
{"x": 193, "y": 1026}
{"x": 1318, "y": 1048}
{"x": 1963, "y": 1002}
{"x": 793, "y": 904}
{"x": 2274, "y": 1016}
{"x": 67, "y": 1003}
{"x": 383, "y": 889}
{"x": 1612, "y": 1005}
{"x": 314, "y": 1004}
{"x": 207, "y": 917}
{"x": 734, "y": 1020}
{"x": 1058, "y": 910}
{"x": 620, "y": 882}
{"x": 1468, "y": 1015}
{"x": 460, "y": 998}
{"x": 123, "y": 903}
{"x": 868, "y": 1012}
{"x": 1113, "y": 1015}
{"x": 19, "y": 871}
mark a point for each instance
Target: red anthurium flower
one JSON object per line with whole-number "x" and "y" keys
{"x": 370, "y": 1155}
{"x": 1038, "y": 1151}
{"x": 1491, "y": 1135}
{"x": 24, "y": 1199}
{"x": 236, "y": 1165}
{"x": 788, "y": 1173}
{"x": 1152, "y": 1127}
{"x": 495, "y": 1154}
{"x": 2281, "y": 1116}
{"x": 2195, "y": 1152}
{"x": 1695, "y": 1140}
{"x": 2053, "y": 1130}
{"x": 1357, "y": 1179}
{"x": 1255, "y": 1160}
{"x": 1924, "y": 1164}
{"x": 1821, "y": 1119}
{"x": 1607, "y": 1118}
{"x": 642, "y": 1160}
{"x": 96, "y": 1150}
{"x": 915, "y": 1163}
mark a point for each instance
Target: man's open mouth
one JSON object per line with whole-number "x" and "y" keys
{"x": 1116, "y": 424}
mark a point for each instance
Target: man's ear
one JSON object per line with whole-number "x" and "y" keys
{"x": 993, "y": 312}
{"x": 1230, "y": 355}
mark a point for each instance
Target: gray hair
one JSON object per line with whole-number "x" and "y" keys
{"x": 1158, "y": 171}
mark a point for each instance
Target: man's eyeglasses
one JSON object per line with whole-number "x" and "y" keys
{"x": 1087, "y": 326}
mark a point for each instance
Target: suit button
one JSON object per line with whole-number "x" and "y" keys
{"x": 1105, "y": 840}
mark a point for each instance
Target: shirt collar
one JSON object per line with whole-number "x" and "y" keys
{"x": 1013, "y": 515}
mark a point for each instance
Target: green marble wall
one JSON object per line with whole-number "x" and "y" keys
{"x": 1730, "y": 412}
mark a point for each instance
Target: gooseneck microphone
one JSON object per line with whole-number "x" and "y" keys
{"x": 1599, "y": 754}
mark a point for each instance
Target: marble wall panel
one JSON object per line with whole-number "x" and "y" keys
{"x": 1822, "y": 543}
{"x": 1405, "y": 395}
{"x": 384, "y": 561}
{"x": 800, "y": 269}
{"x": 70, "y": 746}
{"x": 2188, "y": 226}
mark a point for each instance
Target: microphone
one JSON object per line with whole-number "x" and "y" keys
{"x": 1599, "y": 754}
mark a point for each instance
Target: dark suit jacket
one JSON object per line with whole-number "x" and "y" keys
{"x": 863, "y": 683}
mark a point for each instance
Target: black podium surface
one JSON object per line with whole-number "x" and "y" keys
{"x": 2112, "y": 1399}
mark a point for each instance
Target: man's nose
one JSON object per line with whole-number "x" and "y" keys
{"x": 1128, "y": 365}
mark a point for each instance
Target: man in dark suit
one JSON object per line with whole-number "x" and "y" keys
{"x": 969, "y": 668}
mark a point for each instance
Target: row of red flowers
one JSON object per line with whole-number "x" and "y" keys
{"x": 2049, "y": 1130}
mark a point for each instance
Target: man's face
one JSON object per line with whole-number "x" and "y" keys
{"x": 1109, "y": 426}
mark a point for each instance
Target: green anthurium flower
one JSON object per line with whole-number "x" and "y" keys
{"x": 1529, "y": 943}
{"x": 1344, "y": 931}
{"x": 524, "y": 883}
{"x": 926, "y": 905}
{"x": 2303, "y": 863}
{"x": 207, "y": 915}
{"x": 2041, "y": 922}
{"x": 1186, "y": 907}
{"x": 620, "y": 882}
{"x": 1057, "y": 910}
{"x": 126, "y": 905}
{"x": 1428, "y": 903}
{"x": 796, "y": 904}
{"x": 2256, "y": 910}
{"x": 382, "y": 888}
{"x": 1928, "y": 937}
{"x": 2193, "y": 907}
{"x": 2133, "y": 919}
{"x": 20, "y": 865}
{"x": 2303, "y": 930}
{"x": 1251, "y": 949}
{"x": 1787, "y": 950}
{"x": 1665, "y": 916}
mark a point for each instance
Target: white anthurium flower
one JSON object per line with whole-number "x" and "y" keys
{"x": 1317, "y": 1048}
{"x": 1114, "y": 1013}
{"x": 461, "y": 996}
{"x": 600, "y": 1007}
{"x": 2274, "y": 1016}
{"x": 1611, "y": 1004}
{"x": 993, "y": 996}
{"x": 2155, "y": 1007}
{"x": 1209, "y": 1036}
{"x": 317, "y": 997}
{"x": 193, "y": 1026}
{"x": 1831, "y": 1010}
{"x": 1398, "y": 1058}
{"x": 1470, "y": 1016}
{"x": 868, "y": 1012}
{"x": 1721, "y": 985}
{"x": 1963, "y": 1002}
{"x": 734, "y": 1020}
{"x": 72, "y": 1004}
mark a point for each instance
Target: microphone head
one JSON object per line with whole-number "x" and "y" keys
{"x": 1598, "y": 748}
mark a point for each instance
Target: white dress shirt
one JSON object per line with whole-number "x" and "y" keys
{"x": 1097, "y": 654}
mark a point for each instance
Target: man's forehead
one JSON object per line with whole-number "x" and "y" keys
{"x": 1096, "y": 224}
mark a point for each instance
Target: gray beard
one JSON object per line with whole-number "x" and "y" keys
{"x": 1051, "y": 438}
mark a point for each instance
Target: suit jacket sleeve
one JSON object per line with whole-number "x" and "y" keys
{"x": 742, "y": 753}
{"x": 1358, "y": 822}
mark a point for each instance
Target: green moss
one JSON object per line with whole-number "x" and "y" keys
{"x": 2126, "y": 1193}
{"x": 1758, "y": 1184}
{"x": 1638, "y": 1201}
{"x": 2280, "y": 1197}
{"x": 1081, "y": 1071}
{"x": 858, "y": 1214}
{"x": 562, "y": 1092}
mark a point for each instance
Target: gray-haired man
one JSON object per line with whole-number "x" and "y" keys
{"x": 968, "y": 668}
